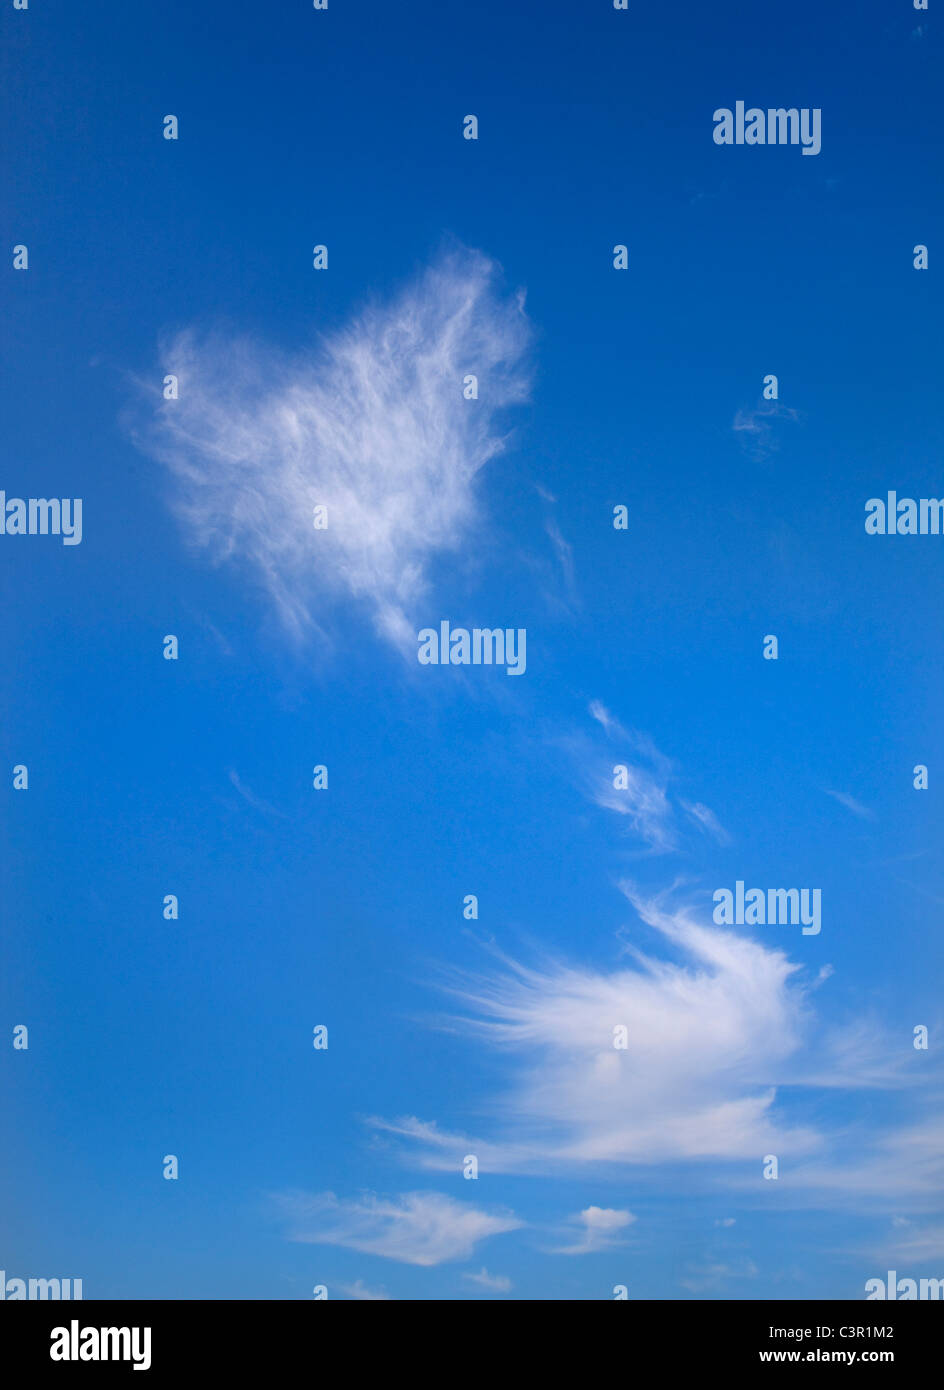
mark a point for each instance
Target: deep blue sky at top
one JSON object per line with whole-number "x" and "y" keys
{"x": 344, "y": 127}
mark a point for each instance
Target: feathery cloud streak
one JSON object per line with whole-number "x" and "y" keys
{"x": 373, "y": 425}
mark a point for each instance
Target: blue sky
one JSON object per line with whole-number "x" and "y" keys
{"x": 447, "y": 1037}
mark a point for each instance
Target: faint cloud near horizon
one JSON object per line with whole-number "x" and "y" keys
{"x": 498, "y": 1283}
{"x": 600, "y": 1229}
{"x": 362, "y": 1294}
{"x": 420, "y": 1228}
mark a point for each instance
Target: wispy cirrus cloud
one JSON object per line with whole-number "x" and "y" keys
{"x": 498, "y": 1283}
{"x": 360, "y": 1293}
{"x": 851, "y": 804}
{"x": 700, "y": 1278}
{"x": 914, "y": 1242}
{"x": 659, "y": 1061}
{"x": 372, "y": 425}
{"x": 755, "y": 427}
{"x": 704, "y": 817}
{"x": 673, "y": 1060}
{"x": 631, "y": 777}
{"x": 634, "y": 791}
{"x": 599, "y": 1228}
{"x": 419, "y": 1228}
{"x": 249, "y": 796}
{"x": 901, "y": 1167}
{"x": 637, "y": 790}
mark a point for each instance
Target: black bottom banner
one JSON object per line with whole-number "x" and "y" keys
{"x": 62, "y": 1340}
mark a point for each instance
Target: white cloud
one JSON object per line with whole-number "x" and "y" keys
{"x": 905, "y": 1166}
{"x": 500, "y": 1283}
{"x": 926, "y": 1243}
{"x": 714, "y": 1034}
{"x": 708, "y": 1038}
{"x": 706, "y": 818}
{"x": 642, "y": 793}
{"x": 420, "y": 1228}
{"x": 639, "y": 743}
{"x": 600, "y": 1228}
{"x": 564, "y": 552}
{"x": 756, "y": 426}
{"x": 362, "y": 1294}
{"x": 643, "y": 798}
{"x": 254, "y": 801}
{"x": 372, "y": 424}
{"x": 603, "y": 716}
{"x": 639, "y": 796}
{"x": 699, "y": 1278}
{"x": 851, "y": 804}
